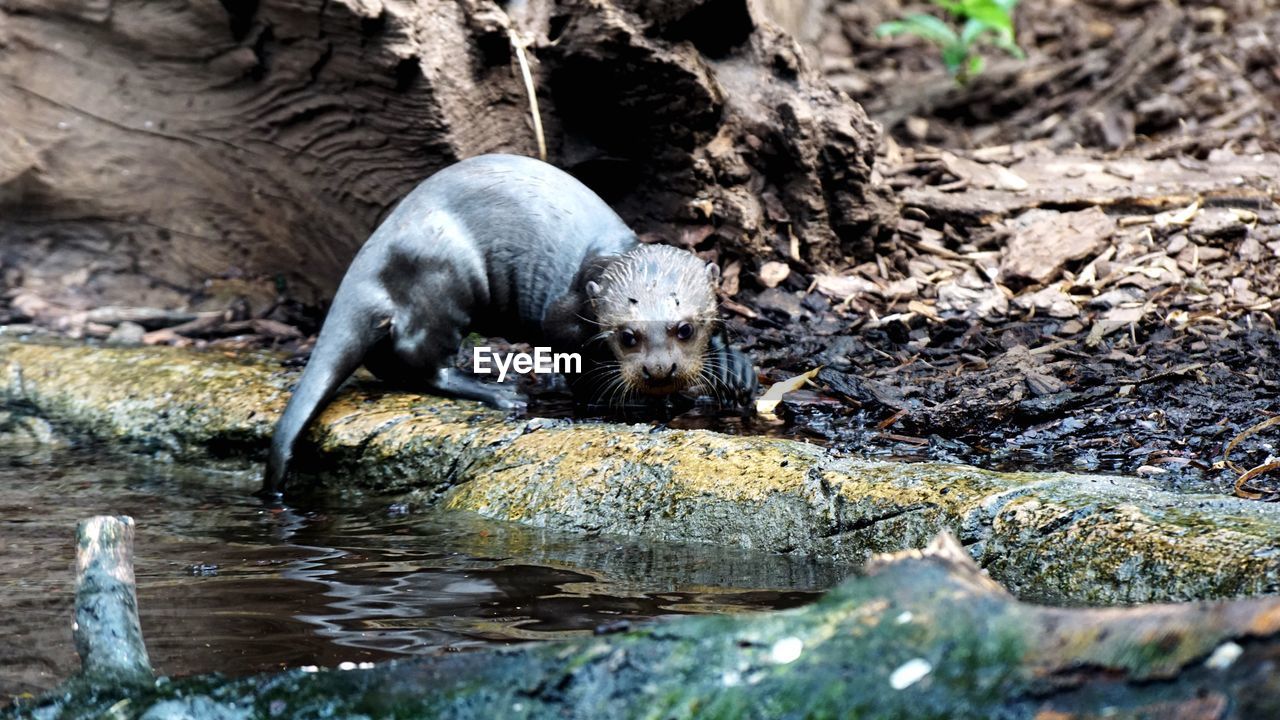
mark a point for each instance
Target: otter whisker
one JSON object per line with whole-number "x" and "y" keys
{"x": 617, "y": 384}
{"x": 598, "y": 336}
{"x": 600, "y": 376}
{"x": 589, "y": 321}
{"x": 714, "y": 370}
{"x": 714, "y": 384}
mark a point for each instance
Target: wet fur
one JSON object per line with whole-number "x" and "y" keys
{"x": 651, "y": 291}
{"x": 497, "y": 244}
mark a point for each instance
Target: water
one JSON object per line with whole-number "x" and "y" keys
{"x": 228, "y": 585}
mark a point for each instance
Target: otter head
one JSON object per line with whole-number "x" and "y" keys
{"x": 656, "y": 306}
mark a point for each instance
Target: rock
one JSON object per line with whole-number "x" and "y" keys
{"x": 989, "y": 302}
{"x": 780, "y": 301}
{"x": 1215, "y": 223}
{"x": 772, "y": 273}
{"x": 1116, "y": 297}
{"x": 1250, "y": 250}
{"x": 1050, "y": 536}
{"x": 127, "y": 333}
{"x": 1051, "y": 300}
{"x": 1241, "y": 292}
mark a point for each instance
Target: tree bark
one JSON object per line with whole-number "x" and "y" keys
{"x": 155, "y": 152}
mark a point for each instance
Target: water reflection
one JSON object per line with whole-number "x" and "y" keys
{"x": 228, "y": 585}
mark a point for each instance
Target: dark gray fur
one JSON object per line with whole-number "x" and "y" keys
{"x": 499, "y": 244}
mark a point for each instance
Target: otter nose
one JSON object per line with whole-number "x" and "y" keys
{"x": 654, "y": 372}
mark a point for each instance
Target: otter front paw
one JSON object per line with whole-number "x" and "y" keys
{"x": 735, "y": 377}
{"x": 740, "y": 382}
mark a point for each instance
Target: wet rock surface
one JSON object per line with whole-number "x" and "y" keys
{"x": 1052, "y": 537}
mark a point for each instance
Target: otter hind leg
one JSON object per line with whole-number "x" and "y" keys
{"x": 348, "y": 334}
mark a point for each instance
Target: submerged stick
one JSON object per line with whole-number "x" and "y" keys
{"x": 108, "y": 635}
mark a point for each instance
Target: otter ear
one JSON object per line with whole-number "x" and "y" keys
{"x": 713, "y": 272}
{"x": 593, "y": 289}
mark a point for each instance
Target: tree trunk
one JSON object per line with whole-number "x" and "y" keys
{"x": 161, "y": 151}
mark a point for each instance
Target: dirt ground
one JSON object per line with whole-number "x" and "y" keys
{"x": 1085, "y": 272}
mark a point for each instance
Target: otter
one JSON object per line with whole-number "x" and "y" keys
{"x": 512, "y": 246}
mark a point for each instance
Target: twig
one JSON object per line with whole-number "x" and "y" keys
{"x": 1226, "y": 454}
{"x": 518, "y": 44}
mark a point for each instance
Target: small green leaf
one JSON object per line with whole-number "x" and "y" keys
{"x": 972, "y": 31}
{"x": 955, "y": 7}
{"x": 954, "y": 57}
{"x": 981, "y": 23}
{"x": 989, "y": 13}
{"x": 925, "y": 26}
{"x": 891, "y": 28}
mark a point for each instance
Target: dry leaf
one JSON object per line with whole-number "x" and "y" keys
{"x": 1178, "y": 217}
{"x": 769, "y": 401}
{"x": 729, "y": 278}
{"x": 843, "y": 287}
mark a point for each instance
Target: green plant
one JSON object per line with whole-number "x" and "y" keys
{"x": 985, "y": 22}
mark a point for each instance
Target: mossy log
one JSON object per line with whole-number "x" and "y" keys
{"x": 925, "y": 634}
{"x": 149, "y": 148}
{"x": 1050, "y": 537}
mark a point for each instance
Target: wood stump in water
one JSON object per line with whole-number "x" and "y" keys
{"x": 107, "y": 633}
{"x": 150, "y": 148}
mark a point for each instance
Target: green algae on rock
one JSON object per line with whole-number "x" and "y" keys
{"x": 1052, "y": 537}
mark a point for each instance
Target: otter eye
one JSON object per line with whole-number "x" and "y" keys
{"x": 628, "y": 339}
{"x": 684, "y": 331}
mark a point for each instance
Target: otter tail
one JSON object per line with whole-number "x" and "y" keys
{"x": 348, "y": 334}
